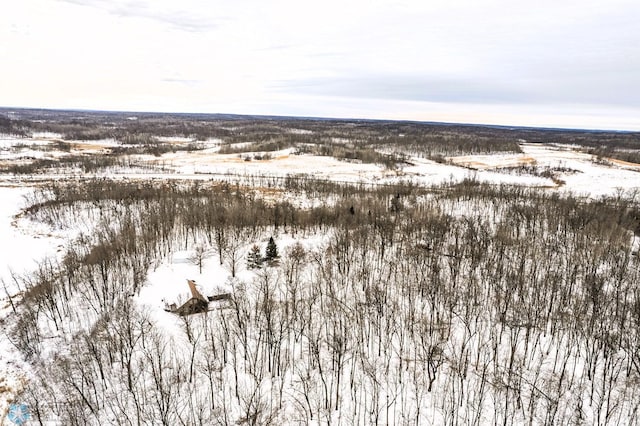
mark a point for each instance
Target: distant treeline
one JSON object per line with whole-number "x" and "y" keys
{"x": 383, "y": 142}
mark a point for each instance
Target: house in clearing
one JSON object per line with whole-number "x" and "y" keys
{"x": 197, "y": 303}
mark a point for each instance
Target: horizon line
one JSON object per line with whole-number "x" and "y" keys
{"x": 327, "y": 118}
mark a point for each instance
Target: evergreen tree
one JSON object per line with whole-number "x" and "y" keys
{"x": 271, "y": 254}
{"x": 254, "y": 259}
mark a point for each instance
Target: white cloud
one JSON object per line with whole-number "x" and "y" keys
{"x": 510, "y": 60}
{"x": 170, "y": 13}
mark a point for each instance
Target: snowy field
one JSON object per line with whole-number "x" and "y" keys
{"x": 577, "y": 172}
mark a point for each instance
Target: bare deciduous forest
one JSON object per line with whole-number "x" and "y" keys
{"x": 471, "y": 305}
{"x": 463, "y": 303}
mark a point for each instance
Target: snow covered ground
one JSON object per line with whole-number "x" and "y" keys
{"x": 167, "y": 282}
{"x": 592, "y": 179}
{"x": 281, "y": 164}
{"x": 585, "y": 178}
{"x": 24, "y": 244}
{"x": 582, "y": 173}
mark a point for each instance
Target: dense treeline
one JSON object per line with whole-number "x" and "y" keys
{"x": 14, "y": 127}
{"x": 81, "y": 163}
{"x": 605, "y": 153}
{"x": 474, "y": 305}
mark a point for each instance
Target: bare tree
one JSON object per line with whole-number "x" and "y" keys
{"x": 198, "y": 256}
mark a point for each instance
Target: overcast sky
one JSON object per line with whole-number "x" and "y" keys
{"x": 543, "y": 63}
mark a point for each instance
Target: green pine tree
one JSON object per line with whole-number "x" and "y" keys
{"x": 254, "y": 258}
{"x": 271, "y": 254}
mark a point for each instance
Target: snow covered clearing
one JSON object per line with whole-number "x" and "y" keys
{"x": 584, "y": 176}
{"x": 280, "y": 164}
{"x": 568, "y": 169}
{"x": 593, "y": 179}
